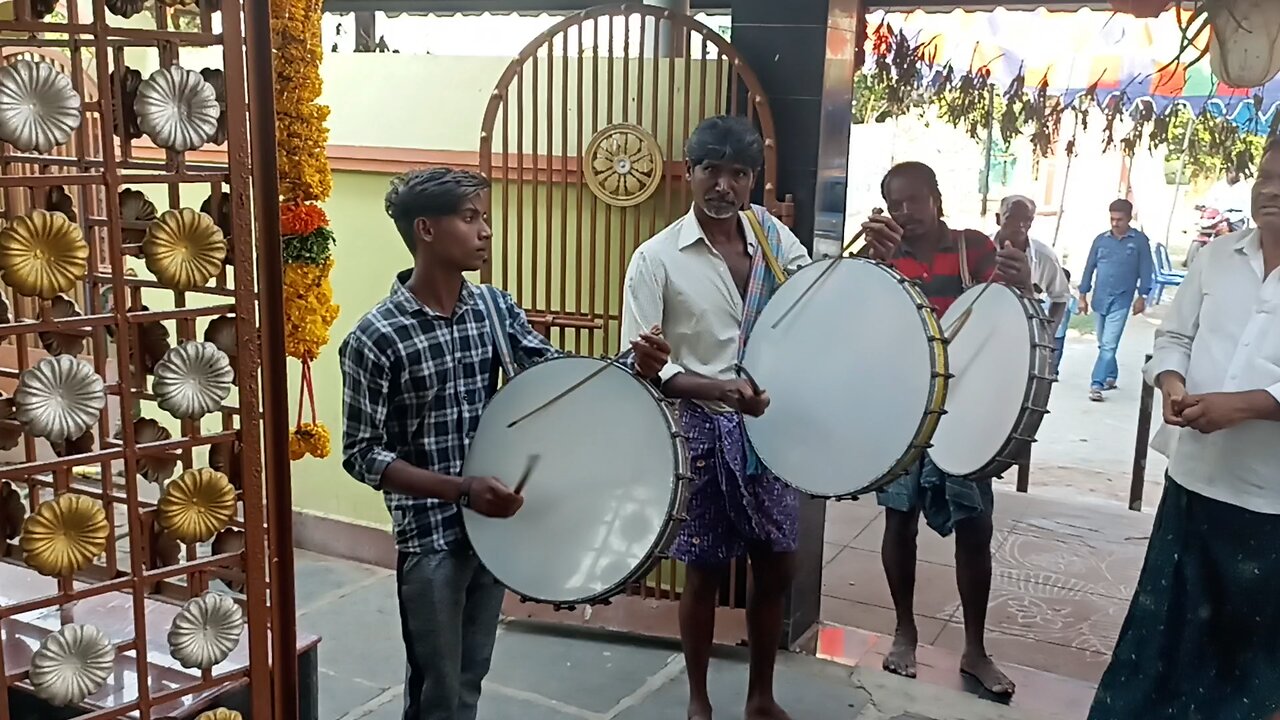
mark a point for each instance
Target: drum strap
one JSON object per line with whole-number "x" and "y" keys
{"x": 966, "y": 279}
{"x": 762, "y": 240}
{"x": 497, "y": 319}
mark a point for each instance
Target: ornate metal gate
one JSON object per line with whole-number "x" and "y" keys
{"x": 583, "y": 138}
{"x": 140, "y": 448}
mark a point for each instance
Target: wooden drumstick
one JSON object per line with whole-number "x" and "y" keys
{"x": 528, "y": 470}
{"x": 958, "y": 324}
{"x": 835, "y": 261}
{"x": 755, "y": 386}
{"x": 844, "y": 251}
{"x": 619, "y": 358}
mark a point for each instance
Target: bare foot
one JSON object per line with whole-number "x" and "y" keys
{"x": 901, "y": 659}
{"x": 699, "y": 710}
{"x": 765, "y": 710}
{"x": 982, "y": 668}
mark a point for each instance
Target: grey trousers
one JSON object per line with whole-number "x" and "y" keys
{"x": 449, "y": 610}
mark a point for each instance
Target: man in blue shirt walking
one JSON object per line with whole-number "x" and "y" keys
{"x": 1122, "y": 260}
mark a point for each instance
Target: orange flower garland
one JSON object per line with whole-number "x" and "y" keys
{"x": 305, "y": 181}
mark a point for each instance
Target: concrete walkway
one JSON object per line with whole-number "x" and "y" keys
{"x": 540, "y": 674}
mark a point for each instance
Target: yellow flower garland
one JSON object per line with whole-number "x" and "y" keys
{"x": 305, "y": 180}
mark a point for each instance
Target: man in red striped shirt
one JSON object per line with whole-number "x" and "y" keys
{"x": 914, "y": 240}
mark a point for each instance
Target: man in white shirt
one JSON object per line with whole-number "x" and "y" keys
{"x": 1049, "y": 282}
{"x": 704, "y": 280}
{"x": 1202, "y": 637}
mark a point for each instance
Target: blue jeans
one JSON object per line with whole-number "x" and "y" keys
{"x": 1110, "y": 315}
{"x": 449, "y": 609}
{"x": 1059, "y": 345}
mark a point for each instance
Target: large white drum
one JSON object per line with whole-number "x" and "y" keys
{"x": 606, "y": 495}
{"x": 856, "y": 374}
{"x": 1002, "y": 362}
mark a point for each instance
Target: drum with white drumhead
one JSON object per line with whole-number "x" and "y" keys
{"x": 1001, "y": 358}
{"x": 606, "y": 495}
{"x": 856, "y": 373}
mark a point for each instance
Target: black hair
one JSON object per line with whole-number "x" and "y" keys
{"x": 917, "y": 171}
{"x": 1067, "y": 274}
{"x": 429, "y": 193}
{"x": 1121, "y": 206}
{"x": 726, "y": 138}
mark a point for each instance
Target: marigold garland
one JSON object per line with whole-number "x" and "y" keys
{"x": 305, "y": 180}
{"x": 301, "y": 219}
{"x": 310, "y": 312}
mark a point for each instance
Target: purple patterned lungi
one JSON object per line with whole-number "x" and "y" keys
{"x": 730, "y": 511}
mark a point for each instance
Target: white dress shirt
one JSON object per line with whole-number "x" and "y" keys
{"x": 1223, "y": 335}
{"x": 678, "y": 281}
{"x": 1046, "y": 272}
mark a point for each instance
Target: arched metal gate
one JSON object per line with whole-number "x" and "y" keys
{"x": 583, "y": 138}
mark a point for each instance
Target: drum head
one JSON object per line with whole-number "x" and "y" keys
{"x": 990, "y": 359}
{"x": 850, "y": 376}
{"x": 601, "y": 497}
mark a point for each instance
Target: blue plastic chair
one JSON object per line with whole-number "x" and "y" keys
{"x": 1165, "y": 275}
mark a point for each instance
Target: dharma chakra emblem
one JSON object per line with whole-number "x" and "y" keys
{"x": 623, "y": 165}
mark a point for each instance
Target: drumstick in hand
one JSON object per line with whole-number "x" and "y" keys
{"x": 528, "y": 470}
{"x": 621, "y": 357}
{"x": 816, "y": 281}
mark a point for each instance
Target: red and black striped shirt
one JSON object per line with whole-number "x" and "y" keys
{"x": 940, "y": 278}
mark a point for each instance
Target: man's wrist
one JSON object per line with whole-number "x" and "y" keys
{"x": 1167, "y": 377}
{"x": 1262, "y": 405}
{"x": 464, "y": 492}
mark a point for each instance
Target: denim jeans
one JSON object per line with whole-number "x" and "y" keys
{"x": 1110, "y": 315}
{"x": 1059, "y": 345}
{"x": 449, "y": 609}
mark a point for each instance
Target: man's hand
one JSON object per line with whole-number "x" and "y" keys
{"x": 884, "y": 236}
{"x": 489, "y": 497}
{"x": 1174, "y": 389}
{"x": 739, "y": 395}
{"x": 1014, "y": 267}
{"x": 1084, "y": 304}
{"x": 652, "y": 352}
{"x": 1212, "y": 412}
{"x": 1139, "y": 305}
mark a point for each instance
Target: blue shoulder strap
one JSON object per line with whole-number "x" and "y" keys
{"x": 496, "y": 316}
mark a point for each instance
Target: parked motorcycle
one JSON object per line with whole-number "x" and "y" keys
{"x": 1213, "y": 224}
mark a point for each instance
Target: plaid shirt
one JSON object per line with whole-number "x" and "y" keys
{"x": 414, "y": 385}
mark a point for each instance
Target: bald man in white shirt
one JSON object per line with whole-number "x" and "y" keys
{"x": 1049, "y": 281}
{"x": 1202, "y": 637}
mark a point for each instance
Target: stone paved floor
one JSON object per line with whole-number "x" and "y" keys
{"x": 542, "y": 675}
{"x": 1066, "y": 557}
{"x": 1064, "y": 573}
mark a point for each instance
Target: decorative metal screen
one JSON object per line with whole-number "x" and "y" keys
{"x": 134, "y": 512}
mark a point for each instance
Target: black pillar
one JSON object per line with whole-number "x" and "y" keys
{"x": 804, "y": 52}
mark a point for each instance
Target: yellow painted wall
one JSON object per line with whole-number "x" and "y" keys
{"x": 437, "y": 103}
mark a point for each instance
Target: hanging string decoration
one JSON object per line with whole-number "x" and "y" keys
{"x": 305, "y": 182}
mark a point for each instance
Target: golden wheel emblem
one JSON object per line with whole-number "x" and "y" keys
{"x": 624, "y": 165}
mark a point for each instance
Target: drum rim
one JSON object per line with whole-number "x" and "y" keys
{"x": 676, "y": 504}
{"x": 939, "y": 382}
{"x": 1029, "y": 417}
